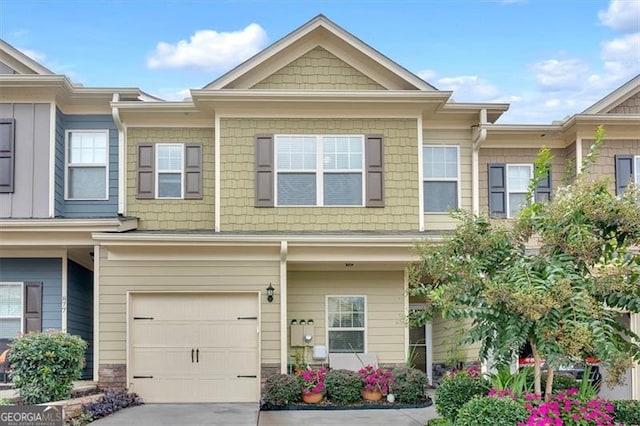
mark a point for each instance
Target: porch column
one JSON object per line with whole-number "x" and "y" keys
{"x": 283, "y": 308}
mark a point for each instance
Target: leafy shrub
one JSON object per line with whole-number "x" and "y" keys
{"x": 4, "y": 401}
{"x": 44, "y": 365}
{"x": 491, "y": 411}
{"x": 409, "y": 384}
{"x": 456, "y": 389}
{"x": 344, "y": 386}
{"x": 111, "y": 402}
{"x": 281, "y": 389}
{"x": 561, "y": 383}
{"x": 438, "y": 422}
{"x": 626, "y": 412}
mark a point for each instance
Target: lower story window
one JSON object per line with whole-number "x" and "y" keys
{"x": 10, "y": 310}
{"x": 346, "y": 320}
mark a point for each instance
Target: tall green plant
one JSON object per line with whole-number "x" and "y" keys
{"x": 558, "y": 298}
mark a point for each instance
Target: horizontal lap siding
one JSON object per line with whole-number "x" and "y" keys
{"x": 462, "y": 139}
{"x": 238, "y": 211}
{"x": 119, "y": 276}
{"x": 445, "y": 337}
{"x": 47, "y": 271}
{"x": 385, "y": 306}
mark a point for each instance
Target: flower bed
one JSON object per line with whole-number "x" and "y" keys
{"x": 364, "y": 405}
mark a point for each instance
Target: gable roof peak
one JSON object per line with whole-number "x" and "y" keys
{"x": 616, "y": 97}
{"x": 14, "y": 58}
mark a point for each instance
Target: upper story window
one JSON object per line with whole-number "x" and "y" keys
{"x": 509, "y": 186}
{"x": 346, "y": 324}
{"x": 169, "y": 171}
{"x": 440, "y": 169}
{"x": 87, "y": 168}
{"x": 319, "y": 170}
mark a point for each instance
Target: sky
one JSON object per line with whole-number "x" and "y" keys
{"x": 548, "y": 58}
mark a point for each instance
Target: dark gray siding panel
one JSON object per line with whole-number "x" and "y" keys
{"x": 80, "y": 308}
{"x": 100, "y": 208}
{"x": 47, "y": 271}
{"x": 30, "y": 198}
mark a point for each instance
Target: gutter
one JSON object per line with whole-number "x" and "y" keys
{"x": 479, "y": 136}
{"x": 115, "y": 113}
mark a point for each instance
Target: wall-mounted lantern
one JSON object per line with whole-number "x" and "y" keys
{"x": 270, "y": 293}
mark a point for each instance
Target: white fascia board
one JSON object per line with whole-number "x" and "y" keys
{"x": 68, "y": 225}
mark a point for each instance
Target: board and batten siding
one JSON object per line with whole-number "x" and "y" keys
{"x": 30, "y": 197}
{"x": 80, "y": 308}
{"x": 237, "y": 174}
{"x": 45, "y": 270}
{"x": 384, "y": 291}
{"x": 85, "y": 208}
{"x": 117, "y": 277}
{"x": 462, "y": 139}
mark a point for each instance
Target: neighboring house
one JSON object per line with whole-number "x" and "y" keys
{"x": 58, "y": 184}
{"x": 312, "y": 168}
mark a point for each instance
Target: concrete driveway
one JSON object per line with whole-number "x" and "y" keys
{"x": 184, "y": 414}
{"x": 248, "y": 414}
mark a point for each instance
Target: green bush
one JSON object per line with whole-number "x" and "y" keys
{"x": 438, "y": 422}
{"x": 561, "y": 382}
{"x": 491, "y": 411}
{"x": 44, "y": 365}
{"x": 455, "y": 390}
{"x": 410, "y": 385}
{"x": 343, "y": 386}
{"x": 281, "y": 389}
{"x": 626, "y": 412}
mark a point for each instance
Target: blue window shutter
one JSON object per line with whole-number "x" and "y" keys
{"x": 543, "y": 190}
{"x": 497, "y": 179}
{"x": 624, "y": 172}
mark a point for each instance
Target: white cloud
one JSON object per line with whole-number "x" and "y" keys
{"x": 622, "y": 15}
{"x": 209, "y": 50}
{"x": 35, "y": 55}
{"x": 426, "y": 75}
{"x": 469, "y": 87}
{"x": 173, "y": 94}
{"x": 558, "y": 75}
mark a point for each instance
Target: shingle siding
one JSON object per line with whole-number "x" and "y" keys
{"x": 630, "y": 106}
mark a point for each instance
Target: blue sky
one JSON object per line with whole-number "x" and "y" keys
{"x": 548, "y": 58}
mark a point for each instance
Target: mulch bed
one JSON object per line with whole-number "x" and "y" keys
{"x": 364, "y": 405}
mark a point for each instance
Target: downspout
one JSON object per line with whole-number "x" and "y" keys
{"x": 578, "y": 155}
{"x": 122, "y": 195}
{"x": 479, "y": 136}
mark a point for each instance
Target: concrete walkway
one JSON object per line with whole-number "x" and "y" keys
{"x": 386, "y": 417}
{"x": 184, "y": 415}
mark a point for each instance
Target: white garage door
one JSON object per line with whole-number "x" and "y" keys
{"x": 194, "y": 347}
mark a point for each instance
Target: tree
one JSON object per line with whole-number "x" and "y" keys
{"x": 557, "y": 278}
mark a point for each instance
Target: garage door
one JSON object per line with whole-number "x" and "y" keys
{"x": 195, "y": 347}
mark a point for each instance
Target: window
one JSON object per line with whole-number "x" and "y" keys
{"x": 440, "y": 175}
{"x": 518, "y": 178}
{"x": 346, "y": 324}
{"x": 10, "y": 310}
{"x": 87, "y": 169}
{"x": 319, "y": 170}
{"x": 169, "y": 169}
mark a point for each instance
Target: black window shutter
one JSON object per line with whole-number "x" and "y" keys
{"x": 193, "y": 171}
{"x": 146, "y": 172}
{"x": 264, "y": 170}
{"x": 624, "y": 172}
{"x": 374, "y": 168}
{"x": 543, "y": 190}
{"x": 7, "y": 154}
{"x": 32, "y": 307}
{"x": 497, "y": 190}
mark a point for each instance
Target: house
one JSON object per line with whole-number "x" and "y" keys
{"x": 290, "y": 189}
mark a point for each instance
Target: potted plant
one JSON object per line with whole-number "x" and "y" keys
{"x": 312, "y": 384}
{"x": 376, "y": 382}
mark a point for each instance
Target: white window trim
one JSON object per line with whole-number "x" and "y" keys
{"x": 508, "y": 190}
{"x": 636, "y": 169}
{"x": 319, "y": 170}
{"x": 456, "y": 179}
{"x": 21, "y": 284}
{"x": 158, "y": 171}
{"x": 326, "y": 320}
{"x": 67, "y": 165}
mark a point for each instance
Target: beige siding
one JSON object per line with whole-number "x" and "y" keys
{"x": 119, "y": 276}
{"x": 517, "y": 156}
{"x": 446, "y": 335}
{"x": 605, "y": 165}
{"x": 384, "y": 310}
{"x": 318, "y": 69}
{"x": 238, "y": 212}
{"x": 571, "y": 167}
{"x": 172, "y": 214}
{"x": 462, "y": 139}
{"x": 630, "y": 106}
